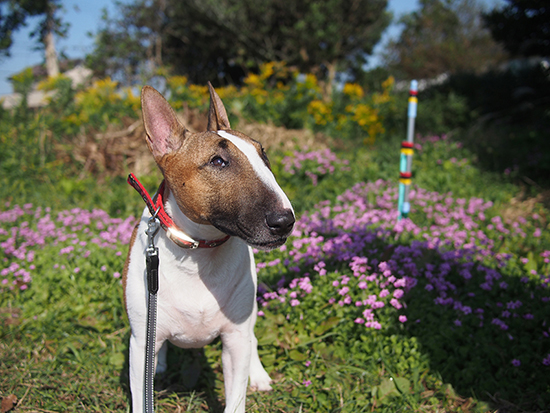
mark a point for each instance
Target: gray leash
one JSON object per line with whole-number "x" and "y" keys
{"x": 152, "y": 261}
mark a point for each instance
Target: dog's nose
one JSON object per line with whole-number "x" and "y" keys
{"x": 280, "y": 222}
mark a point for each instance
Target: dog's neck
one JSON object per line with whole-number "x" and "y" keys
{"x": 191, "y": 229}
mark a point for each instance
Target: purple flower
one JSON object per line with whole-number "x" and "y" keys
{"x": 516, "y": 363}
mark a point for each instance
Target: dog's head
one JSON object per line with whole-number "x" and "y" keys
{"x": 219, "y": 177}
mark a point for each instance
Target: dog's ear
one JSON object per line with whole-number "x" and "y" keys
{"x": 165, "y": 133}
{"x": 217, "y": 116}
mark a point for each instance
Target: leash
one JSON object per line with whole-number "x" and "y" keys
{"x": 159, "y": 218}
{"x": 152, "y": 264}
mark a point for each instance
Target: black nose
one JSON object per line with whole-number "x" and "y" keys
{"x": 280, "y": 222}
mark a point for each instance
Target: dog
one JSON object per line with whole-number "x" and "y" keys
{"x": 219, "y": 191}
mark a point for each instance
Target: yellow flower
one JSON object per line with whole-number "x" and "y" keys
{"x": 266, "y": 70}
{"x": 51, "y": 83}
{"x": 311, "y": 82}
{"x": 102, "y": 91}
{"x": 353, "y": 90}
{"x": 177, "y": 82}
{"x": 380, "y": 98}
{"x": 388, "y": 83}
{"x": 199, "y": 95}
{"x": 227, "y": 92}
{"x": 254, "y": 80}
{"x": 132, "y": 100}
{"x": 321, "y": 111}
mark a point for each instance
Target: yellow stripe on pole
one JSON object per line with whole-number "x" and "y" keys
{"x": 405, "y": 181}
{"x": 413, "y": 99}
{"x": 407, "y": 151}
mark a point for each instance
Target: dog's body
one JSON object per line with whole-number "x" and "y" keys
{"x": 217, "y": 183}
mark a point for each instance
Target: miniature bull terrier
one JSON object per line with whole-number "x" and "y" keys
{"x": 222, "y": 200}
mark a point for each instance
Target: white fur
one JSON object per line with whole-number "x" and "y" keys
{"x": 263, "y": 172}
{"x": 202, "y": 293}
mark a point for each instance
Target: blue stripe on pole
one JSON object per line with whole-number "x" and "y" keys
{"x": 412, "y": 110}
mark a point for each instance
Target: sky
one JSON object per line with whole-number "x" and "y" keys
{"x": 84, "y": 17}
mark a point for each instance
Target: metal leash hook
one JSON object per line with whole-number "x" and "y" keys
{"x": 152, "y": 253}
{"x": 152, "y": 263}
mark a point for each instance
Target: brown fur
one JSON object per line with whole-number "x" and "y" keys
{"x": 184, "y": 156}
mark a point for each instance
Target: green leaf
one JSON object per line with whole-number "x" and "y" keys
{"x": 326, "y": 325}
{"x": 297, "y": 355}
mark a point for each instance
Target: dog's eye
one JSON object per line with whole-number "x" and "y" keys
{"x": 218, "y": 161}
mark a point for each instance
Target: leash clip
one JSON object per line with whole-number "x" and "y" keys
{"x": 152, "y": 254}
{"x": 153, "y": 226}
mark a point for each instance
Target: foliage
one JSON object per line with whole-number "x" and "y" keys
{"x": 351, "y": 113}
{"x": 502, "y": 116}
{"x": 211, "y": 40}
{"x": 443, "y": 36}
{"x": 14, "y": 15}
{"x": 522, "y": 26}
{"x": 128, "y": 48}
{"x": 358, "y": 312}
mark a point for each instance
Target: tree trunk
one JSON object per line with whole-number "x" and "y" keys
{"x": 331, "y": 75}
{"x": 52, "y": 66}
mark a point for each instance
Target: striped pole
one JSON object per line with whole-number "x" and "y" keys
{"x": 405, "y": 164}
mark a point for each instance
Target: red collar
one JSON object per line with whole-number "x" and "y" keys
{"x": 156, "y": 205}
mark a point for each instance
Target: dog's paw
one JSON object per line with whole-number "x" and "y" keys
{"x": 260, "y": 381}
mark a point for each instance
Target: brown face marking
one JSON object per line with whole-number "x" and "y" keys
{"x": 209, "y": 174}
{"x": 219, "y": 177}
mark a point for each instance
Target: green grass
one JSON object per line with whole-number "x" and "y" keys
{"x": 64, "y": 340}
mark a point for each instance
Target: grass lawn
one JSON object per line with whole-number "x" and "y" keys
{"x": 446, "y": 311}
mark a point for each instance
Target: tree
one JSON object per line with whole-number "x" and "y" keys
{"x": 223, "y": 40}
{"x": 13, "y": 15}
{"x": 443, "y": 36}
{"x": 129, "y": 47}
{"x": 523, "y": 27}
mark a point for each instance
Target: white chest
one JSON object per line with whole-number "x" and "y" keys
{"x": 202, "y": 293}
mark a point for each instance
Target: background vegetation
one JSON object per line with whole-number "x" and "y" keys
{"x": 445, "y": 311}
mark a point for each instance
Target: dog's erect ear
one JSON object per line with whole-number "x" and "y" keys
{"x": 217, "y": 116}
{"x": 164, "y": 132}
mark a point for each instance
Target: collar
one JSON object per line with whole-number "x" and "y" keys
{"x": 156, "y": 208}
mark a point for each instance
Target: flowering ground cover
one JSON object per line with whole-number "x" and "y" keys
{"x": 446, "y": 311}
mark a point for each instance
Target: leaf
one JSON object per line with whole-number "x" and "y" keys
{"x": 297, "y": 356}
{"x": 8, "y": 403}
{"x": 327, "y": 325}
{"x": 267, "y": 337}
{"x": 117, "y": 359}
{"x": 403, "y": 385}
{"x": 386, "y": 388}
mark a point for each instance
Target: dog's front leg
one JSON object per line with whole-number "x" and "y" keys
{"x": 236, "y": 367}
{"x": 137, "y": 368}
{"x": 137, "y": 371}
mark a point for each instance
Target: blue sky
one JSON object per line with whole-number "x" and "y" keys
{"x": 84, "y": 17}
